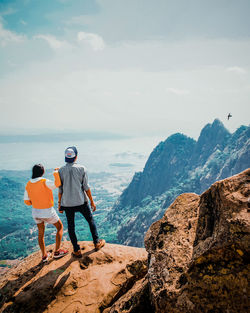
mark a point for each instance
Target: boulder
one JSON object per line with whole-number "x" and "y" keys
{"x": 199, "y": 251}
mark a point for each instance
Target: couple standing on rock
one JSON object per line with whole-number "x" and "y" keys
{"x": 72, "y": 181}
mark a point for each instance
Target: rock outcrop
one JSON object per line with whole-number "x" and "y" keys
{"x": 91, "y": 284}
{"x": 199, "y": 251}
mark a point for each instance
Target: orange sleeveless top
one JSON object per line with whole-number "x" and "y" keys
{"x": 40, "y": 195}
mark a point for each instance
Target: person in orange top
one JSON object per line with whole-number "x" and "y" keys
{"x": 38, "y": 193}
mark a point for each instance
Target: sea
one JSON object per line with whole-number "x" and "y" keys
{"x": 110, "y": 164}
{"x": 122, "y": 157}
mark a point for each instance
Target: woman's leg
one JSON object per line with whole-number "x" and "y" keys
{"x": 59, "y": 227}
{"x": 41, "y": 228}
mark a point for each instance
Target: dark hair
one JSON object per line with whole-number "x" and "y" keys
{"x": 37, "y": 171}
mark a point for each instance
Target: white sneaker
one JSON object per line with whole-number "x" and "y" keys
{"x": 46, "y": 257}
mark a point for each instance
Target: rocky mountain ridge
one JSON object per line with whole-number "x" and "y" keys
{"x": 178, "y": 165}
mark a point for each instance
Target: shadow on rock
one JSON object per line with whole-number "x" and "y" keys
{"x": 12, "y": 286}
{"x": 36, "y": 296}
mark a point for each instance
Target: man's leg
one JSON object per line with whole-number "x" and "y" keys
{"x": 41, "y": 228}
{"x": 70, "y": 214}
{"x": 59, "y": 227}
{"x": 86, "y": 212}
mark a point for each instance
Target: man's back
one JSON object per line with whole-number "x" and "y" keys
{"x": 74, "y": 184}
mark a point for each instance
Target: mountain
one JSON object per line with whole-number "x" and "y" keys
{"x": 196, "y": 260}
{"x": 179, "y": 164}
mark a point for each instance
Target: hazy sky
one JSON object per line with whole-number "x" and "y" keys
{"x": 125, "y": 66}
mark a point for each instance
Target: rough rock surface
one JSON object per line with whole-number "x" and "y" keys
{"x": 136, "y": 300}
{"x": 88, "y": 284}
{"x": 199, "y": 251}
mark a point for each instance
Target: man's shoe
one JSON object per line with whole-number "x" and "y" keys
{"x": 60, "y": 253}
{"x": 99, "y": 244}
{"x": 46, "y": 257}
{"x": 77, "y": 254}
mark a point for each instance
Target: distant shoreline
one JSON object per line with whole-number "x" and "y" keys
{"x": 121, "y": 164}
{"x": 61, "y": 137}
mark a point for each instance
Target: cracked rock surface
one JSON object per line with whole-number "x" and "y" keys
{"x": 199, "y": 251}
{"x": 89, "y": 284}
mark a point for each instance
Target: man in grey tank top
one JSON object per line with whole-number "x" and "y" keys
{"x": 73, "y": 197}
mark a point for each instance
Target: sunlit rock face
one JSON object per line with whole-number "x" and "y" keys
{"x": 92, "y": 283}
{"x": 198, "y": 251}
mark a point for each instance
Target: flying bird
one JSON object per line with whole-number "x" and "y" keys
{"x": 229, "y": 115}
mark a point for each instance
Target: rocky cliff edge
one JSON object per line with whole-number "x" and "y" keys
{"x": 89, "y": 284}
{"x": 199, "y": 251}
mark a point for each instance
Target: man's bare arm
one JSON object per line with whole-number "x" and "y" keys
{"x": 92, "y": 203}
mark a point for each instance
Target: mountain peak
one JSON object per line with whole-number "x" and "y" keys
{"x": 213, "y": 136}
{"x": 217, "y": 125}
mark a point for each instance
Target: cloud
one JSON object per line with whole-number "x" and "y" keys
{"x": 103, "y": 97}
{"x": 23, "y": 22}
{"x": 53, "y": 42}
{"x": 178, "y": 91}
{"x": 8, "y": 11}
{"x": 236, "y": 69}
{"x": 82, "y": 20}
{"x": 7, "y": 36}
{"x": 95, "y": 41}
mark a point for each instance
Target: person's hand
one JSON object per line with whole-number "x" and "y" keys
{"x": 59, "y": 207}
{"x": 93, "y": 206}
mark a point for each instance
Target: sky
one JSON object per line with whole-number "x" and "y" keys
{"x": 133, "y": 67}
